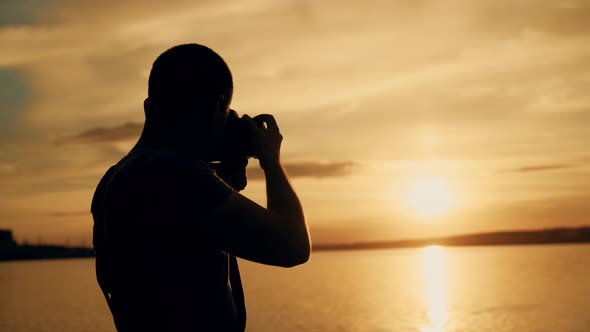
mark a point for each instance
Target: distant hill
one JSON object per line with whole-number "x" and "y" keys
{"x": 544, "y": 236}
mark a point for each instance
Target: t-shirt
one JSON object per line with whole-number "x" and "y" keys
{"x": 159, "y": 268}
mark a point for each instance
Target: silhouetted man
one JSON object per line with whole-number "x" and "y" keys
{"x": 167, "y": 227}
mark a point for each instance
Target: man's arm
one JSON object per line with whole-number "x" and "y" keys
{"x": 276, "y": 235}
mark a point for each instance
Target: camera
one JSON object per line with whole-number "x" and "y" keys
{"x": 237, "y": 141}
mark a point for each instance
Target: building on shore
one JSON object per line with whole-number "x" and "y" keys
{"x": 6, "y": 238}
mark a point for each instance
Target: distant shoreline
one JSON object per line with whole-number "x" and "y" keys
{"x": 15, "y": 252}
{"x": 528, "y": 237}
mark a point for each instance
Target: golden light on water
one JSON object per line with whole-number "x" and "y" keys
{"x": 435, "y": 292}
{"x": 430, "y": 196}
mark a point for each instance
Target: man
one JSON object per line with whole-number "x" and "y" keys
{"x": 167, "y": 228}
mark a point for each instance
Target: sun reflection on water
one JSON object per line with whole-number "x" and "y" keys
{"x": 435, "y": 293}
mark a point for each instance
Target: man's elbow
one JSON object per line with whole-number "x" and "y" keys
{"x": 295, "y": 260}
{"x": 298, "y": 255}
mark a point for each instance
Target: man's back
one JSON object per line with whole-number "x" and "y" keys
{"x": 154, "y": 260}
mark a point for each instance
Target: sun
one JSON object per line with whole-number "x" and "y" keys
{"x": 430, "y": 196}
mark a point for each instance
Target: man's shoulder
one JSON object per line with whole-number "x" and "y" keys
{"x": 162, "y": 163}
{"x": 164, "y": 175}
{"x": 180, "y": 171}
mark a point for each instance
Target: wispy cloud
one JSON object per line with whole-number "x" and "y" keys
{"x": 541, "y": 168}
{"x": 310, "y": 169}
{"x": 123, "y": 132}
{"x": 68, "y": 213}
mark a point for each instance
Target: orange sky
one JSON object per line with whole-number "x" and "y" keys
{"x": 372, "y": 96}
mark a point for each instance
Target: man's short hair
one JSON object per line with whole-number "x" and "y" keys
{"x": 189, "y": 76}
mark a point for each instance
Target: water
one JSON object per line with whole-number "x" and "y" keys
{"x": 434, "y": 289}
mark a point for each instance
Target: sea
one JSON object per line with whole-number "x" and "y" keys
{"x": 534, "y": 288}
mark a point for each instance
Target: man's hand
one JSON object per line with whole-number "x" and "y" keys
{"x": 266, "y": 138}
{"x": 232, "y": 172}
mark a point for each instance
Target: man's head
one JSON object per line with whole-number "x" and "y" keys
{"x": 188, "y": 82}
{"x": 189, "y": 92}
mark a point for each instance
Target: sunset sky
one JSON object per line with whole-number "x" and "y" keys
{"x": 488, "y": 100}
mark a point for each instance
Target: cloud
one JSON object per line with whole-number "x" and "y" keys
{"x": 68, "y": 213}
{"x": 310, "y": 169}
{"x": 120, "y": 133}
{"x": 560, "y": 18}
{"x": 541, "y": 168}
{"x": 14, "y": 96}
{"x": 22, "y": 12}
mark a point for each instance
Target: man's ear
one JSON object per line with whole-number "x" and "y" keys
{"x": 221, "y": 104}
